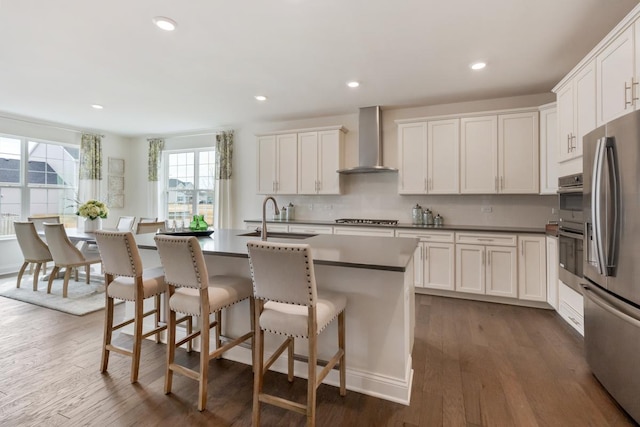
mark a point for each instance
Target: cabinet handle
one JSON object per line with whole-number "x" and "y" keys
{"x": 568, "y": 143}
{"x": 488, "y": 260}
{"x": 483, "y": 260}
{"x": 502, "y": 183}
{"x": 574, "y": 320}
{"x": 574, "y": 145}
{"x": 634, "y": 91}
{"x": 522, "y": 248}
{"x": 425, "y": 252}
{"x": 626, "y": 102}
{"x": 485, "y": 240}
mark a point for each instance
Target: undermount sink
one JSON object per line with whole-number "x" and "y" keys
{"x": 279, "y": 235}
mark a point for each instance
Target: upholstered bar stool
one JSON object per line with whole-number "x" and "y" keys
{"x": 34, "y": 250}
{"x": 125, "y": 279}
{"x": 66, "y": 255}
{"x": 287, "y": 303}
{"x": 192, "y": 292}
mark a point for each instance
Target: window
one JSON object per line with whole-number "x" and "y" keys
{"x": 37, "y": 178}
{"x": 189, "y": 184}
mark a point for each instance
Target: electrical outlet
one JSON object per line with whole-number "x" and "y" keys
{"x": 554, "y": 210}
{"x": 486, "y": 209}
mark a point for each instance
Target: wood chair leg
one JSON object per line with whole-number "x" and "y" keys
{"x": 35, "y": 276}
{"x": 258, "y": 360}
{"x": 204, "y": 361}
{"x": 137, "y": 339}
{"x": 108, "y": 331}
{"x": 341, "y": 345}
{"x": 290, "y": 348}
{"x": 171, "y": 350}
{"x": 218, "y": 330}
{"x": 75, "y": 273}
{"x": 87, "y": 271}
{"x": 311, "y": 380}
{"x": 252, "y": 309}
{"x": 65, "y": 284}
{"x": 52, "y": 276}
{"x": 157, "y": 317}
{"x": 21, "y": 272}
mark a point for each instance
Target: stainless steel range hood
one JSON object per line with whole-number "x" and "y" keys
{"x": 369, "y": 143}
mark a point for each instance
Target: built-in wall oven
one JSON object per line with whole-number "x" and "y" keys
{"x": 570, "y": 230}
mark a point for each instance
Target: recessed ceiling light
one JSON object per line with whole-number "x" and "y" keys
{"x": 478, "y": 65}
{"x": 165, "y": 23}
{"x": 97, "y": 106}
{"x": 261, "y": 97}
{"x": 353, "y": 84}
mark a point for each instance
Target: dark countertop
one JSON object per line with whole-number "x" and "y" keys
{"x": 374, "y": 253}
{"x": 405, "y": 226}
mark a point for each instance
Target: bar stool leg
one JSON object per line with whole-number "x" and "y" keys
{"x": 204, "y": 361}
{"x": 137, "y": 341}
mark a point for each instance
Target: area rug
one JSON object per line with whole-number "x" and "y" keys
{"x": 82, "y": 298}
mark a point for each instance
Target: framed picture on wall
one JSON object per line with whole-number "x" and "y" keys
{"x": 116, "y": 166}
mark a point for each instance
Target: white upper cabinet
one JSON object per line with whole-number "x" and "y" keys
{"x": 300, "y": 162}
{"x": 319, "y": 158}
{"x": 616, "y": 84}
{"x": 548, "y": 149}
{"x": 576, "y": 112}
{"x": 412, "y": 155}
{"x": 499, "y": 154}
{"x": 443, "y": 142}
{"x": 518, "y": 148}
{"x": 428, "y": 153}
{"x": 479, "y": 155}
{"x": 277, "y": 164}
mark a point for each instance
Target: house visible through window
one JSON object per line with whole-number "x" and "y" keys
{"x": 189, "y": 184}
{"x": 37, "y": 178}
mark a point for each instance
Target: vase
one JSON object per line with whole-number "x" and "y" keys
{"x": 91, "y": 225}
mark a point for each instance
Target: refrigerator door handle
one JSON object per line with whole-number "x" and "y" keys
{"x": 607, "y": 304}
{"x": 612, "y": 207}
{"x": 596, "y": 208}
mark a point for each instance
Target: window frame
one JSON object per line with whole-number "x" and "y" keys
{"x": 165, "y": 189}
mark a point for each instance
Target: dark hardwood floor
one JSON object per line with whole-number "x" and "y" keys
{"x": 476, "y": 364}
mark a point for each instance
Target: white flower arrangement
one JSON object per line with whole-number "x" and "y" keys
{"x": 93, "y": 209}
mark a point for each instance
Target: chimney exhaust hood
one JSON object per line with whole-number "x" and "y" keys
{"x": 369, "y": 143}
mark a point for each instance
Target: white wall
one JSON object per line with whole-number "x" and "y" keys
{"x": 112, "y": 146}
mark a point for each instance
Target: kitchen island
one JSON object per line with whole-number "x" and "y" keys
{"x": 376, "y": 275}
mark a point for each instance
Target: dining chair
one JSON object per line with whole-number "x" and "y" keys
{"x": 34, "y": 250}
{"x": 39, "y": 221}
{"x": 288, "y": 303}
{"x": 125, "y": 279}
{"x": 150, "y": 227}
{"x": 66, "y": 255}
{"x": 125, "y": 223}
{"x": 193, "y": 292}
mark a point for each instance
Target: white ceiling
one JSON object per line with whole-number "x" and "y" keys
{"x": 57, "y": 57}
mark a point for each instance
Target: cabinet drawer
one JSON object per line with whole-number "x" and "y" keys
{"x": 571, "y": 316}
{"x": 428, "y": 236}
{"x": 310, "y": 229}
{"x": 487, "y": 239}
{"x": 571, "y": 298}
{"x": 364, "y": 231}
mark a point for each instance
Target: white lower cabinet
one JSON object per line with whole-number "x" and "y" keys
{"x": 570, "y": 307}
{"x": 434, "y": 260}
{"x": 532, "y": 268}
{"x": 487, "y": 264}
{"x": 364, "y": 231}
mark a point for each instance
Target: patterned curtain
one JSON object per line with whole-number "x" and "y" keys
{"x": 90, "y": 173}
{"x": 222, "y": 216}
{"x": 156, "y": 145}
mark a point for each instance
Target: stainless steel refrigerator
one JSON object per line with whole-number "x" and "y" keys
{"x": 611, "y": 200}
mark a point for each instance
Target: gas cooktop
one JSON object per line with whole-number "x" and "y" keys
{"x": 367, "y": 221}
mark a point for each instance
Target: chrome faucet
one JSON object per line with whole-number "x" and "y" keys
{"x": 263, "y": 235}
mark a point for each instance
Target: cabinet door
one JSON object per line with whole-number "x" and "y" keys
{"x": 502, "y": 271}
{"x": 585, "y": 106}
{"x": 552, "y": 271}
{"x": 532, "y": 266}
{"x": 308, "y": 163}
{"x": 287, "y": 166}
{"x": 614, "y": 78}
{"x": 418, "y": 266}
{"x": 439, "y": 266}
{"x": 566, "y": 122}
{"x": 518, "y": 148}
{"x": 443, "y": 138}
{"x": 479, "y": 155}
{"x": 412, "y": 154}
{"x": 329, "y": 161}
{"x": 470, "y": 268}
{"x": 267, "y": 162}
{"x": 548, "y": 151}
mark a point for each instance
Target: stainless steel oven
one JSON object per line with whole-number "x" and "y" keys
{"x": 571, "y": 231}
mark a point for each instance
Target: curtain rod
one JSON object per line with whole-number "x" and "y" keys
{"x": 48, "y": 125}
{"x": 187, "y": 135}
